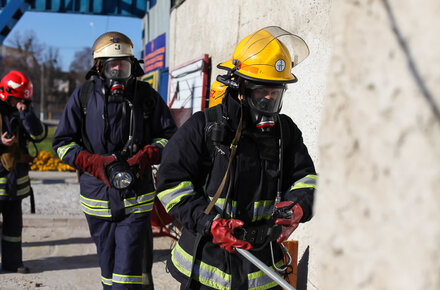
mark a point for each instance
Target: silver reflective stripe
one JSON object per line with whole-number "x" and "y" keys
{"x": 126, "y": 279}
{"x": 11, "y": 239}
{"x": 23, "y": 191}
{"x": 96, "y": 212}
{"x": 62, "y": 150}
{"x": 204, "y": 273}
{"x": 172, "y": 196}
{"x": 106, "y": 281}
{"x": 139, "y": 208}
{"x": 231, "y": 208}
{"x": 259, "y": 280}
{"x": 139, "y": 199}
{"x": 93, "y": 202}
{"x": 23, "y": 179}
{"x": 95, "y": 207}
{"x": 3, "y": 192}
{"x": 308, "y": 181}
{"x": 262, "y": 210}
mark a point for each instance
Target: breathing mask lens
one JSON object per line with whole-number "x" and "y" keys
{"x": 266, "y": 100}
{"x": 117, "y": 69}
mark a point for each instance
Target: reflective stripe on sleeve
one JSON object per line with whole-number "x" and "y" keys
{"x": 172, "y": 196}
{"x": 308, "y": 181}
{"x": 230, "y": 211}
{"x": 95, "y": 207}
{"x": 62, "y": 150}
{"x": 22, "y": 180}
{"x": 23, "y": 191}
{"x": 262, "y": 210}
{"x": 162, "y": 142}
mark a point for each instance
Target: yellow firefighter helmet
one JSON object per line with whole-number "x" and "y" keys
{"x": 267, "y": 55}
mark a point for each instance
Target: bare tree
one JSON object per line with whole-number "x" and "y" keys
{"x": 81, "y": 64}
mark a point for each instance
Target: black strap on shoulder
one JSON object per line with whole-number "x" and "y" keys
{"x": 214, "y": 128}
{"x": 148, "y": 102}
{"x": 84, "y": 96}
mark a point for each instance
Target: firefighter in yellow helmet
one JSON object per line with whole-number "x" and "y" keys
{"x": 238, "y": 175}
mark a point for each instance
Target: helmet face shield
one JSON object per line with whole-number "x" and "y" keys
{"x": 268, "y": 55}
{"x": 265, "y": 99}
{"x": 117, "y": 68}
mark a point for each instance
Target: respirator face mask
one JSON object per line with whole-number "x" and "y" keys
{"x": 265, "y": 102}
{"x": 116, "y": 71}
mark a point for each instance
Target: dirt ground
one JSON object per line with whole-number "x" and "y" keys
{"x": 56, "y": 242}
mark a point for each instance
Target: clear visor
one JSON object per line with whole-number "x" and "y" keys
{"x": 266, "y": 100}
{"x": 117, "y": 69}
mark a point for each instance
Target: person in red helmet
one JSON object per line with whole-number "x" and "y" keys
{"x": 17, "y": 122}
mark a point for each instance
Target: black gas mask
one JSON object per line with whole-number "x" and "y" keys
{"x": 264, "y": 102}
{"x": 117, "y": 73}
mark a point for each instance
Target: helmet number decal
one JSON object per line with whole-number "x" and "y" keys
{"x": 280, "y": 65}
{"x": 117, "y": 46}
{"x": 26, "y": 94}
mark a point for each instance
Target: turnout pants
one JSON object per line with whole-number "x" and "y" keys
{"x": 11, "y": 234}
{"x": 125, "y": 251}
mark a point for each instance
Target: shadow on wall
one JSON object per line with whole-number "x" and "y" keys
{"x": 303, "y": 271}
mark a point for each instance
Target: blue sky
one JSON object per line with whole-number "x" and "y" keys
{"x": 71, "y": 32}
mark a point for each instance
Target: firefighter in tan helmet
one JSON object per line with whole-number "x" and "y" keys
{"x": 113, "y": 129}
{"x": 238, "y": 175}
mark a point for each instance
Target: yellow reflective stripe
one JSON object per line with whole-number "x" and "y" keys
{"x": 23, "y": 191}
{"x": 206, "y": 274}
{"x": 262, "y": 210}
{"x": 308, "y": 181}
{"x": 11, "y": 239}
{"x": 95, "y": 207}
{"x": 174, "y": 195}
{"x": 62, "y": 150}
{"x": 140, "y": 208}
{"x": 230, "y": 212}
{"x": 162, "y": 141}
{"x": 126, "y": 279}
{"x": 22, "y": 180}
{"x": 93, "y": 202}
{"x": 136, "y": 200}
{"x": 259, "y": 280}
{"x": 3, "y": 180}
{"x": 3, "y": 192}
{"x": 106, "y": 281}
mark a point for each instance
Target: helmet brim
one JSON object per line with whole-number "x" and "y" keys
{"x": 250, "y": 75}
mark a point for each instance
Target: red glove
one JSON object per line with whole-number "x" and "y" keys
{"x": 289, "y": 225}
{"x": 145, "y": 158}
{"x": 222, "y": 230}
{"x": 94, "y": 164}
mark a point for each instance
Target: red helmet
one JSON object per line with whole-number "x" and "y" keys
{"x": 17, "y": 85}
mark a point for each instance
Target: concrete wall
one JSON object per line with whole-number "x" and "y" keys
{"x": 362, "y": 102}
{"x": 377, "y": 223}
